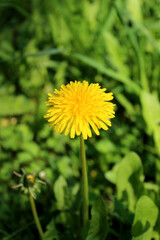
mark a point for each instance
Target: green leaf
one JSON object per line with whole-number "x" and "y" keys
{"x": 134, "y": 7}
{"x": 146, "y": 235}
{"x": 6, "y": 171}
{"x": 150, "y": 110}
{"x": 105, "y": 146}
{"x": 109, "y": 72}
{"x": 60, "y": 190}
{"x": 156, "y": 136}
{"x": 145, "y": 218}
{"x": 111, "y": 175}
{"x": 98, "y": 225}
{"x": 12, "y": 105}
{"x": 122, "y": 212}
{"x": 126, "y": 103}
{"x": 64, "y": 167}
{"x": 23, "y": 157}
{"x": 151, "y": 114}
{"x": 51, "y": 233}
{"x": 32, "y": 148}
{"x": 52, "y": 51}
{"x": 115, "y": 52}
{"x": 129, "y": 180}
{"x": 15, "y": 136}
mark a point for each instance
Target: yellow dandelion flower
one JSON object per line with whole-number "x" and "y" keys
{"x": 78, "y": 106}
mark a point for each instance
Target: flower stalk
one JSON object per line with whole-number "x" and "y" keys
{"x": 35, "y": 215}
{"x": 84, "y": 182}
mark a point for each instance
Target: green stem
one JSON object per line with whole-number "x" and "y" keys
{"x": 35, "y": 215}
{"x": 84, "y": 181}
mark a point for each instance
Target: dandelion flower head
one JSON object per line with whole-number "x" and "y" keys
{"x": 77, "y": 107}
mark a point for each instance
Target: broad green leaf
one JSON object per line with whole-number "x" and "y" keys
{"x": 51, "y": 232}
{"x": 23, "y": 157}
{"x": 150, "y": 110}
{"x": 129, "y": 179}
{"x": 60, "y": 190}
{"x": 146, "y": 214}
{"x": 146, "y": 235}
{"x": 134, "y": 8}
{"x": 105, "y": 146}
{"x": 64, "y": 167}
{"x": 111, "y": 175}
{"x": 98, "y": 225}
{"x": 32, "y": 148}
{"x": 151, "y": 114}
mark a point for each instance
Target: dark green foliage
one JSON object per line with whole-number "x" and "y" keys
{"x": 51, "y": 232}
{"x": 98, "y": 224}
{"x": 44, "y": 44}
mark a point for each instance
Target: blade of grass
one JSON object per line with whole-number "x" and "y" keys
{"x": 134, "y": 42}
{"x": 53, "y": 51}
{"x": 110, "y": 73}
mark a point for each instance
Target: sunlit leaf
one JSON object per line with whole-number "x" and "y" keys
{"x": 146, "y": 214}
{"x": 130, "y": 179}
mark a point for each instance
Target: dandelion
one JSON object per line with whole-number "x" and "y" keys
{"x": 74, "y": 109}
{"x": 79, "y": 106}
{"x": 29, "y": 185}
